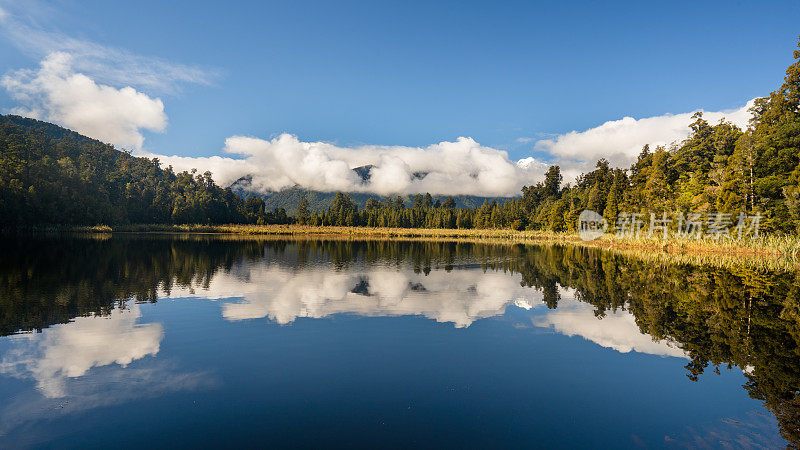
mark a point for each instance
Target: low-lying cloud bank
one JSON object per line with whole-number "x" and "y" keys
{"x": 447, "y": 168}
{"x": 462, "y": 167}
{"x": 621, "y": 141}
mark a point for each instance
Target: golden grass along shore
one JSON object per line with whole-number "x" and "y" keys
{"x": 783, "y": 249}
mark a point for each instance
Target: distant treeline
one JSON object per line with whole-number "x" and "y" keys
{"x": 53, "y": 176}
{"x": 289, "y": 198}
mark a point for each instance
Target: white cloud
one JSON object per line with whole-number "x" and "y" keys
{"x": 71, "y": 350}
{"x": 621, "y": 141}
{"x": 56, "y": 93}
{"x": 447, "y": 168}
{"x": 531, "y": 162}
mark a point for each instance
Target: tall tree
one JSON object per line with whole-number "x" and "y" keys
{"x": 303, "y": 213}
{"x": 552, "y": 181}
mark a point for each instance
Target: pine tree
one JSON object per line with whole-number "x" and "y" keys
{"x": 302, "y": 209}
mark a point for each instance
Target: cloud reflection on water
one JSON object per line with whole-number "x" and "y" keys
{"x": 460, "y": 297}
{"x": 70, "y": 350}
{"x": 617, "y": 330}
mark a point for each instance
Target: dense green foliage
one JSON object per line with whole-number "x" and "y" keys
{"x": 719, "y": 168}
{"x": 50, "y": 175}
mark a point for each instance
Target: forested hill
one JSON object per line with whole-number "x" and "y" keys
{"x": 50, "y": 175}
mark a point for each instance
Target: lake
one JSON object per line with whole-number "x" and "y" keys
{"x": 209, "y": 341}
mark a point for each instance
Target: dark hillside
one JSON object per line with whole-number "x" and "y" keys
{"x": 52, "y": 176}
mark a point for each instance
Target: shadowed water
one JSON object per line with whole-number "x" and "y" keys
{"x": 208, "y": 341}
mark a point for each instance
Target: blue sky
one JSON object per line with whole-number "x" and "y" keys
{"x": 506, "y": 74}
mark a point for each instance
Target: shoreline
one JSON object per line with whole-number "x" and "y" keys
{"x": 774, "y": 251}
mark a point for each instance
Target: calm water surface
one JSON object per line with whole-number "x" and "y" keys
{"x": 208, "y": 342}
